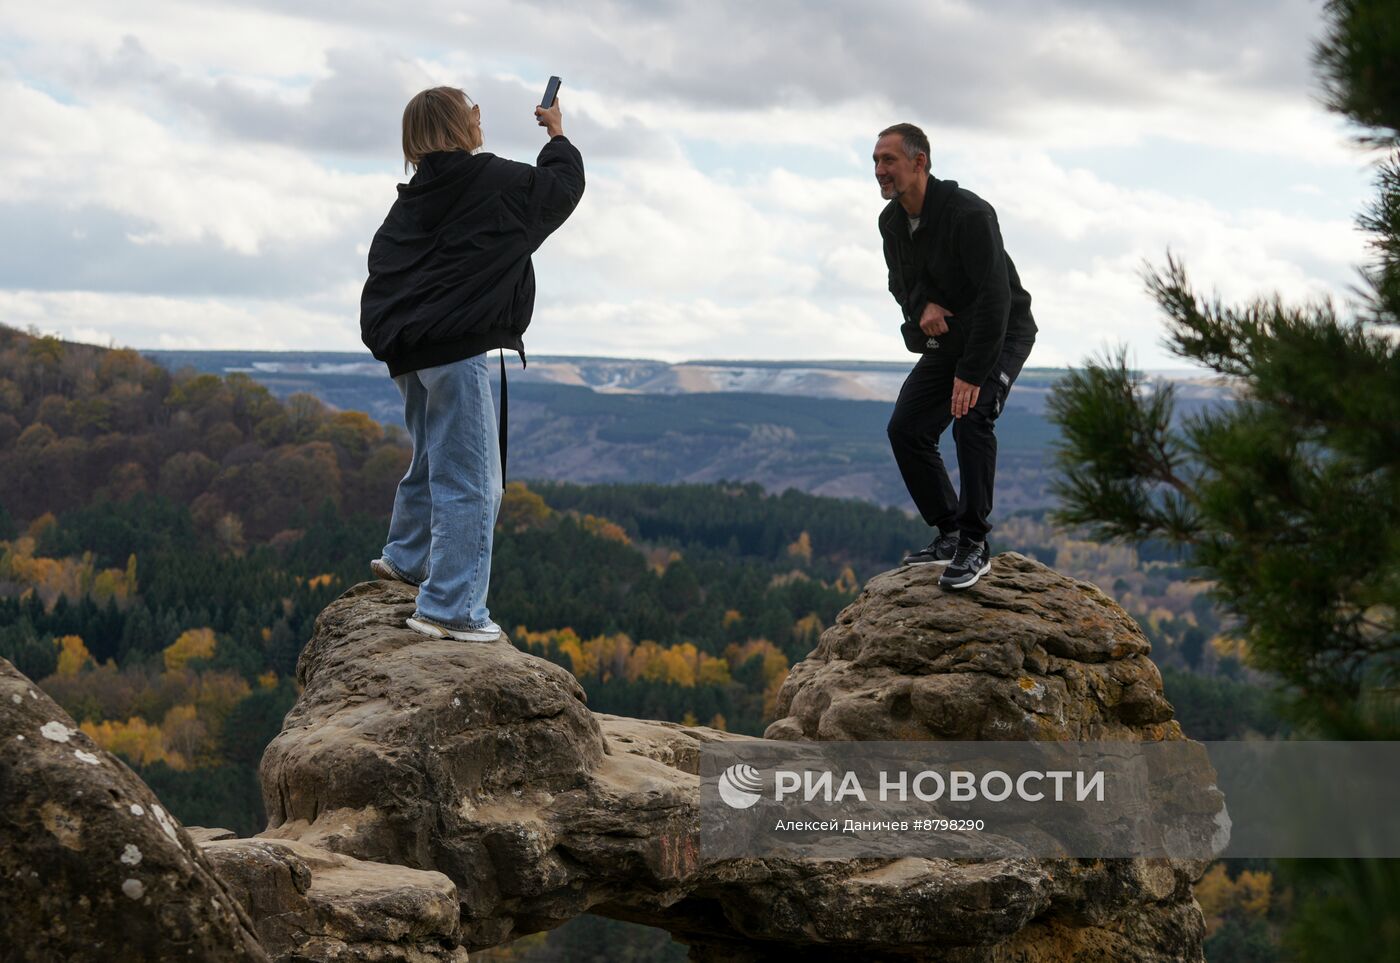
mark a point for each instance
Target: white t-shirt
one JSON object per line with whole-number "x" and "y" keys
{"x": 913, "y": 225}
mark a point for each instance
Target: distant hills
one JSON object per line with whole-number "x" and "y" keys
{"x": 335, "y": 372}
{"x": 815, "y": 426}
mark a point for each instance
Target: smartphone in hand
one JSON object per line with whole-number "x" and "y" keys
{"x": 551, "y": 91}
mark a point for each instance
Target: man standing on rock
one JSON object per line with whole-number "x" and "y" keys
{"x": 969, "y": 319}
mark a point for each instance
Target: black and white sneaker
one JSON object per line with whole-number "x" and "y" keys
{"x": 970, "y": 562}
{"x": 939, "y": 551}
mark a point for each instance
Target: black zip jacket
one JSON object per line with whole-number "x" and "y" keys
{"x": 449, "y": 270}
{"x": 955, "y": 259}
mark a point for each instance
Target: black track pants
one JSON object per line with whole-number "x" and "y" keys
{"x": 921, "y": 414}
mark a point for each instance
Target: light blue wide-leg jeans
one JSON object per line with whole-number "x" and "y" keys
{"x": 446, "y": 504}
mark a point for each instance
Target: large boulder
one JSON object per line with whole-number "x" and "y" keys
{"x": 92, "y": 867}
{"x": 1025, "y": 654}
{"x": 475, "y": 760}
{"x": 484, "y": 763}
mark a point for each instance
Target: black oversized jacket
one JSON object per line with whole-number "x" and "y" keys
{"x": 956, "y": 260}
{"x": 449, "y": 270}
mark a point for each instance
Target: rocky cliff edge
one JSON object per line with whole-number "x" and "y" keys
{"x": 426, "y": 798}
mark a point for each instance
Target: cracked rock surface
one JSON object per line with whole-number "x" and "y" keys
{"x": 484, "y": 764}
{"x": 311, "y": 904}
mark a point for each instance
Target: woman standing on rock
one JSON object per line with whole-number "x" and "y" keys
{"x": 450, "y": 278}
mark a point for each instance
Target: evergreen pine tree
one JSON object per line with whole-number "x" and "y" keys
{"x": 1288, "y": 499}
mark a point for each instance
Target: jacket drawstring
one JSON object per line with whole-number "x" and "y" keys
{"x": 505, "y": 408}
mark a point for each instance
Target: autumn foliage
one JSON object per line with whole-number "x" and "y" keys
{"x": 245, "y": 462}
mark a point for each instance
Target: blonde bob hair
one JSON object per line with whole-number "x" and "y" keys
{"x": 440, "y": 118}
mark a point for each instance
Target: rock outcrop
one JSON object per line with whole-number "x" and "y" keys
{"x": 480, "y": 762}
{"x": 485, "y": 764}
{"x": 92, "y": 868}
{"x": 1026, "y": 654}
{"x": 311, "y": 904}
{"x": 427, "y": 798}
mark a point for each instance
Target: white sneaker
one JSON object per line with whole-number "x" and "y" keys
{"x": 382, "y": 570}
{"x": 490, "y": 632}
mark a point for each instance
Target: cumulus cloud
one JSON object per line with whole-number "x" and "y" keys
{"x": 353, "y": 107}
{"x": 197, "y": 175}
{"x": 734, "y": 53}
{"x": 1084, "y": 68}
{"x": 147, "y": 321}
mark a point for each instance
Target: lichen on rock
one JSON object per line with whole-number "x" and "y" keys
{"x": 87, "y": 875}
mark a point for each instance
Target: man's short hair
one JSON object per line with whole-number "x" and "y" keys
{"x": 915, "y": 140}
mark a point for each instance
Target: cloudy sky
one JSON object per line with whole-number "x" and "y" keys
{"x": 209, "y": 175}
